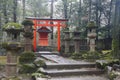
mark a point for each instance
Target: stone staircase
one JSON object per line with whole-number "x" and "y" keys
{"x": 67, "y": 67}
{"x": 55, "y": 70}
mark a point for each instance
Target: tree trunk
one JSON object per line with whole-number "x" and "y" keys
{"x": 23, "y": 3}
{"x": 116, "y": 29}
{"x": 109, "y": 18}
{"x": 5, "y": 11}
{"x": 90, "y": 2}
{"x": 79, "y": 14}
{"x": 65, "y": 11}
{"x": 15, "y": 11}
{"x": 51, "y": 17}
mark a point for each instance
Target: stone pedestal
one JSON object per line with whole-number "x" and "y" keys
{"x": 77, "y": 41}
{"x": 11, "y": 65}
{"x": 92, "y": 44}
{"x": 28, "y": 35}
{"x": 67, "y": 40}
{"x": 28, "y": 44}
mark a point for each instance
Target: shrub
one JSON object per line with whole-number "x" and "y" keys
{"x": 27, "y": 68}
{"x": 101, "y": 64}
{"x": 92, "y": 55}
{"x": 35, "y": 75}
{"x": 112, "y": 76}
{"x": 78, "y": 55}
{"x": 40, "y": 63}
{"x": 27, "y": 57}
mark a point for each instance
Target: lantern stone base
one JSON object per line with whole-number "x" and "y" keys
{"x": 11, "y": 69}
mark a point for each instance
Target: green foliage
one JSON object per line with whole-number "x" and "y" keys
{"x": 4, "y": 45}
{"x": 39, "y": 75}
{"x": 112, "y": 76}
{"x": 115, "y": 48}
{"x": 87, "y": 55}
{"x": 40, "y": 63}
{"x": 78, "y": 55}
{"x": 11, "y": 45}
{"x": 27, "y": 22}
{"x": 27, "y": 68}
{"x": 107, "y": 56}
{"x": 27, "y": 57}
{"x": 1, "y": 66}
{"x": 101, "y": 64}
{"x": 92, "y": 55}
{"x": 12, "y": 25}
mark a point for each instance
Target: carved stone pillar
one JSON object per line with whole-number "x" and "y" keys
{"x": 28, "y": 34}
{"x": 28, "y": 44}
{"x": 67, "y": 41}
{"x": 77, "y": 41}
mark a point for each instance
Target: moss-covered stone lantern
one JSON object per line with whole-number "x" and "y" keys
{"x": 28, "y": 34}
{"x": 12, "y": 46}
{"x": 67, "y": 41}
{"x": 13, "y": 31}
{"x": 91, "y": 29}
{"x": 77, "y": 41}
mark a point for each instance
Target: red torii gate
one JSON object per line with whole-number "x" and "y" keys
{"x": 47, "y": 23}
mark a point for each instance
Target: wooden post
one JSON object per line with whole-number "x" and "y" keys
{"x": 58, "y": 36}
{"x": 34, "y": 33}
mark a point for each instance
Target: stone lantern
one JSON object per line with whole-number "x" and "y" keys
{"x": 77, "y": 41}
{"x": 28, "y": 34}
{"x": 67, "y": 40}
{"x": 91, "y": 28}
{"x": 12, "y": 46}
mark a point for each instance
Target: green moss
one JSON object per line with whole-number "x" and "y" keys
{"x": 4, "y": 45}
{"x": 27, "y": 68}
{"x": 40, "y": 63}
{"x": 115, "y": 48}
{"x": 27, "y": 22}
{"x": 28, "y": 35}
{"x": 12, "y": 25}
{"x": 112, "y": 76}
{"x": 10, "y": 45}
{"x": 27, "y": 57}
{"x": 78, "y": 55}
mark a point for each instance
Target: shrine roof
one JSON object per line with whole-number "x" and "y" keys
{"x": 44, "y": 29}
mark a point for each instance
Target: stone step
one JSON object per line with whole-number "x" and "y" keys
{"x": 40, "y": 53}
{"x": 70, "y": 66}
{"x": 45, "y": 48}
{"x": 73, "y": 72}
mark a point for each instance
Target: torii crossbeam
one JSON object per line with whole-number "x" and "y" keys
{"x": 47, "y": 23}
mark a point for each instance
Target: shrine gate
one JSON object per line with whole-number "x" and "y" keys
{"x": 47, "y": 23}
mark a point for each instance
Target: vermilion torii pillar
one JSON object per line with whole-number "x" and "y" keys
{"x": 47, "y": 23}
